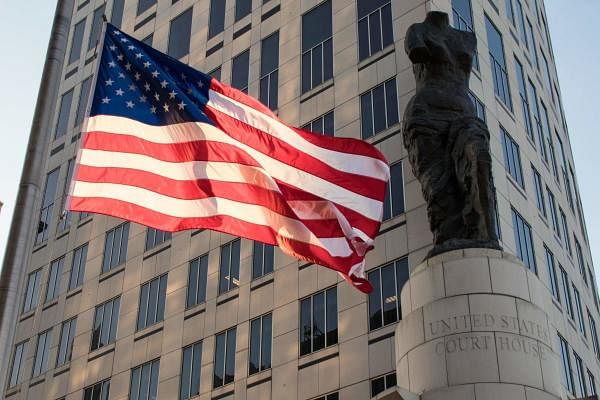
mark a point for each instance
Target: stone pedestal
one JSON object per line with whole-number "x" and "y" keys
{"x": 471, "y": 332}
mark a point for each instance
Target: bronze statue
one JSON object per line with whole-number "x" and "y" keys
{"x": 448, "y": 146}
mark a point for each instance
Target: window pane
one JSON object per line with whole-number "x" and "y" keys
{"x": 230, "y": 356}
{"x": 318, "y": 324}
{"x": 240, "y": 70}
{"x": 196, "y": 363}
{"x": 255, "y": 327}
{"x": 242, "y": 8}
{"x": 179, "y": 35}
{"x": 375, "y": 32}
{"x": 76, "y": 41}
{"x": 391, "y": 105}
{"x": 331, "y": 317}
{"x": 379, "y": 117}
{"x": 388, "y": 289}
{"x": 316, "y": 25}
{"x": 217, "y": 17}
{"x": 317, "y": 65}
{"x": 83, "y": 98}
{"x": 375, "y": 313}
{"x": 366, "y": 115}
{"x": 305, "y": 327}
{"x": 116, "y": 17}
{"x": 96, "y": 27}
{"x": 62, "y": 123}
{"x": 266, "y": 342}
{"x": 141, "y": 322}
{"x": 219, "y": 368}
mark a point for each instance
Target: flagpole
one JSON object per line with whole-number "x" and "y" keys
{"x": 88, "y": 107}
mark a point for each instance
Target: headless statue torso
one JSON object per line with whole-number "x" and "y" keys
{"x": 448, "y": 145}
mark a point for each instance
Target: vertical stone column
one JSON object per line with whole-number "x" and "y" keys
{"x": 471, "y": 332}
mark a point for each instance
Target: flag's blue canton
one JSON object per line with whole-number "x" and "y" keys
{"x": 139, "y": 82}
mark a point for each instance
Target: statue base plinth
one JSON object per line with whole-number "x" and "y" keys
{"x": 471, "y": 331}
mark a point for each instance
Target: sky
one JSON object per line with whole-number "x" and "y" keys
{"x": 573, "y": 28}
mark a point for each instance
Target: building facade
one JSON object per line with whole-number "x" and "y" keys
{"x": 108, "y": 309}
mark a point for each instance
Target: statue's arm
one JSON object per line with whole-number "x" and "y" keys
{"x": 415, "y": 45}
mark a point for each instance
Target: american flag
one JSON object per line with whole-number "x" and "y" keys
{"x": 172, "y": 148}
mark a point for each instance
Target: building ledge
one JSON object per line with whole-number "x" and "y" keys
{"x": 318, "y": 356}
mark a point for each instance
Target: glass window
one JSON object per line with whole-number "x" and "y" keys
{"x": 148, "y": 39}
{"x": 77, "y": 41}
{"x": 180, "y": 32}
{"x": 382, "y": 383}
{"x": 479, "y": 107}
{"x": 318, "y": 321}
{"x": 190, "y": 371}
{"x": 115, "y": 247}
{"x": 260, "y": 344}
{"x": 510, "y": 12}
{"x": 64, "y": 219}
{"x": 152, "y": 302}
{"x": 224, "y": 365}
{"x": 498, "y": 63}
{"x": 330, "y": 396}
{"x": 242, "y": 8}
{"x": 144, "y": 381}
{"x": 521, "y": 23}
{"x": 65, "y": 345}
{"x": 40, "y": 360}
{"x": 393, "y": 204}
{"x": 565, "y": 229}
{"x": 579, "y": 308}
{"x": 532, "y": 45}
{"x": 374, "y": 27}
{"x": 78, "y": 266}
{"x": 262, "y": 259}
{"x": 512, "y": 158}
{"x": 116, "y": 16}
{"x": 98, "y": 391}
{"x": 567, "y": 373}
{"x": 594, "y": 334}
{"x": 537, "y": 120}
{"x": 154, "y": 237}
{"x": 229, "y": 274}
{"x": 96, "y": 27}
{"x": 47, "y": 207}
{"x": 17, "y": 361}
{"x": 269, "y": 71}
{"x": 591, "y": 383}
{"x": 106, "y": 319}
{"x": 196, "y": 290}
{"x": 539, "y": 191}
{"x": 564, "y": 280}
{"x": 524, "y": 241}
{"x": 240, "y": 67}
{"x": 547, "y": 79}
{"x": 54, "y": 278}
{"x": 580, "y": 260}
{"x": 553, "y": 281}
{"x": 580, "y": 387}
{"x": 62, "y": 123}
{"x": 463, "y": 20}
{"x": 317, "y": 48}
{"x": 144, "y": 5}
{"x": 32, "y": 290}
{"x": 322, "y": 124}
{"x": 216, "y": 22}
{"x": 379, "y": 108}
{"x": 384, "y": 300}
{"x": 524, "y": 100}
{"x": 553, "y": 212}
{"x": 216, "y": 73}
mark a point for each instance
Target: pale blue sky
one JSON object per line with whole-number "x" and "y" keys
{"x": 25, "y": 29}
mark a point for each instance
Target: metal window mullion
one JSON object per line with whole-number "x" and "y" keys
{"x": 311, "y": 323}
{"x": 381, "y": 293}
{"x": 325, "y": 315}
